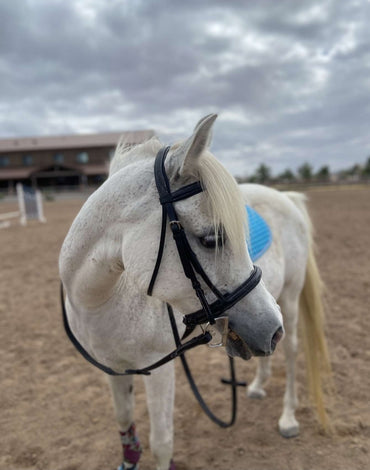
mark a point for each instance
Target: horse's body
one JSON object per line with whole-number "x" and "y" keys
{"x": 291, "y": 276}
{"x": 108, "y": 258}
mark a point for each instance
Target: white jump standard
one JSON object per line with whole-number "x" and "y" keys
{"x": 30, "y": 207}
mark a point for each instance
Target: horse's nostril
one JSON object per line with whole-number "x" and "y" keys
{"x": 276, "y": 338}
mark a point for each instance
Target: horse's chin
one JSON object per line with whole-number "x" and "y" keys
{"x": 236, "y": 347}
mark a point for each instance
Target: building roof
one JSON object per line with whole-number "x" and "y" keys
{"x": 24, "y": 144}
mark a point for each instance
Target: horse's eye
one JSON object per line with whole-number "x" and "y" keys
{"x": 210, "y": 241}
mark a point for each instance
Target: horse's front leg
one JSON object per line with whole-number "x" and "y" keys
{"x": 123, "y": 400}
{"x": 160, "y": 388}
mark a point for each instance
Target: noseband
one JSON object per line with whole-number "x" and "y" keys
{"x": 190, "y": 263}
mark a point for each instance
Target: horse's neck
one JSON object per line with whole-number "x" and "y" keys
{"x": 91, "y": 259}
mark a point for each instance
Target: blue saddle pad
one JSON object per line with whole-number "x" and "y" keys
{"x": 260, "y": 236}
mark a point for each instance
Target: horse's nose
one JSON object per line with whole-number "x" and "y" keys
{"x": 260, "y": 331}
{"x": 279, "y": 333}
{"x": 276, "y": 337}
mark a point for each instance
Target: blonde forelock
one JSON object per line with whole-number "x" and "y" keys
{"x": 224, "y": 200}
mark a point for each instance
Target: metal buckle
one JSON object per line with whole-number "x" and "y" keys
{"x": 219, "y": 331}
{"x": 175, "y": 223}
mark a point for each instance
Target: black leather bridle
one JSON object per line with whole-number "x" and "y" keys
{"x": 190, "y": 263}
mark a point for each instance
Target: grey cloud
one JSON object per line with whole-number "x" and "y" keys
{"x": 290, "y": 79}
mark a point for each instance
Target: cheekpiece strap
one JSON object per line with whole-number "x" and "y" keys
{"x": 167, "y": 198}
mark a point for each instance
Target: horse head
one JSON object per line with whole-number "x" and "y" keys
{"x": 214, "y": 222}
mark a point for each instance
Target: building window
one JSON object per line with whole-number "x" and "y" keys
{"x": 58, "y": 158}
{"x": 27, "y": 160}
{"x": 4, "y": 161}
{"x": 82, "y": 157}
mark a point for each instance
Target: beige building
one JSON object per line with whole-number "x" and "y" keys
{"x": 61, "y": 161}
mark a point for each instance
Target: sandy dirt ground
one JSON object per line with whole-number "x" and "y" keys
{"x": 55, "y": 408}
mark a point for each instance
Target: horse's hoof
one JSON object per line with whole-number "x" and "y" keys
{"x": 289, "y": 431}
{"x": 256, "y": 393}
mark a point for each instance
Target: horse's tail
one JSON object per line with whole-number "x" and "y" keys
{"x": 312, "y": 325}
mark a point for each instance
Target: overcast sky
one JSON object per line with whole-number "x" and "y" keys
{"x": 290, "y": 80}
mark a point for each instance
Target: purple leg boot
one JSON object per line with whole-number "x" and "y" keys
{"x": 131, "y": 449}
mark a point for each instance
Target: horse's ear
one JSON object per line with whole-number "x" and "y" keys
{"x": 197, "y": 143}
{"x": 205, "y": 118}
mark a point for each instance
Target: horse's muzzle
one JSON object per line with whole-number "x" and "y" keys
{"x": 237, "y": 346}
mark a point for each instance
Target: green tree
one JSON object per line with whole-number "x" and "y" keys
{"x": 354, "y": 170}
{"x": 366, "y": 169}
{"x": 305, "y": 172}
{"x": 286, "y": 176}
{"x": 323, "y": 174}
{"x": 263, "y": 174}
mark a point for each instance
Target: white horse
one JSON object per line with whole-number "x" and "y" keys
{"x": 291, "y": 275}
{"x": 107, "y": 261}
